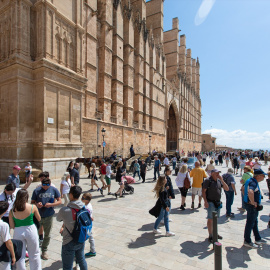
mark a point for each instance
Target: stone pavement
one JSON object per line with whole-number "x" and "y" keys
{"x": 124, "y": 239}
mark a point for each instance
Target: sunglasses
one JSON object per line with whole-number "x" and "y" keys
{"x": 44, "y": 185}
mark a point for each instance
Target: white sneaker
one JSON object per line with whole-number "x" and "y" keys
{"x": 157, "y": 231}
{"x": 170, "y": 234}
{"x": 170, "y": 220}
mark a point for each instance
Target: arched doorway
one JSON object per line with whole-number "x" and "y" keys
{"x": 171, "y": 131}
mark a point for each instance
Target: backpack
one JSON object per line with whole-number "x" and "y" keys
{"x": 83, "y": 225}
{"x": 225, "y": 179}
{"x": 186, "y": 182}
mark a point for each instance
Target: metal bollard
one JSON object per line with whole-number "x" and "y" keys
{"x": 215, "y": 227}
{"x": 218, "y": 255}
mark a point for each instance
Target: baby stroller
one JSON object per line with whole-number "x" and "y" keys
{"x": 128, "y": 188}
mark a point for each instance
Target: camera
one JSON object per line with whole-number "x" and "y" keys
{"x": 259, "y": 207}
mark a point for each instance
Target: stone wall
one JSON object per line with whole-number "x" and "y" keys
{"x": 69, "y": 70}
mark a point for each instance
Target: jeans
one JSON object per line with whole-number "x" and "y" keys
{"x": 137, "y": 172}
{"x": 156, "y": 171}
{"x": 163, "y": 214}
{"x": 174, "y": 165}
{"x": 69, "y": 251}
{"x": 47, "y": 223}
{"x": 229, "y": 201}
{"x": 252, "y": 223}
{"x": 243, "y": 202}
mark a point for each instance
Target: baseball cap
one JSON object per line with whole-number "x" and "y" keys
{"x": 259, "y": 171}
{"x": 215, "y": 170}
{"x": 16, "y": 167}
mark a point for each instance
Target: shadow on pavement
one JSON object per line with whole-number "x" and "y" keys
{"x": 200, "y": 249}
{"x": 236, "y": 257}
{"x": 264, "y": 218}
{"x": 107, "y": 199}
{"x": 147, "y": 227}
{"x": 185, "y": 212}
{"x": 146, "y": 239}
{"x": 54, "y": 265}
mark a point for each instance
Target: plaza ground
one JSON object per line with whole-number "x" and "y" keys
{"x": 124, "y": 239}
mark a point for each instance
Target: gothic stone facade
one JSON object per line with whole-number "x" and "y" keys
{"x": 70, "y": 68}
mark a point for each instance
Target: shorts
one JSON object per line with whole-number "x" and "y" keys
{"x": 183, "y": 191}
{"x": 236, "y": 166}
{"x": 27, "y": 174}
{"x": 210, "y": 209}
{"x": 204, "y": 159}
{"x": 108, "y": 180}
{"x": 196, "y": 191}
{"x": 242, "y": 166}
{"x": 102, "y": 177}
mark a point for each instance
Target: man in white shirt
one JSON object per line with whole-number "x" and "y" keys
{"x": 166, "y": 161}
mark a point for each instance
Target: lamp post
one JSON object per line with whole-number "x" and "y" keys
{"x": 150, "y": 136}
{"x": 103, "y": 143}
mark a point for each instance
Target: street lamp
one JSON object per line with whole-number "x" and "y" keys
{"x": 150, "y": 136}
{"x": 103, "y": 143}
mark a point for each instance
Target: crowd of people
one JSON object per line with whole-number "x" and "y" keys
{"x": 32, "y": 222}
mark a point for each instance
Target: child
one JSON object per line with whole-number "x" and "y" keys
{"x": 5, "y": 237}
{"x": 86, "y": 198}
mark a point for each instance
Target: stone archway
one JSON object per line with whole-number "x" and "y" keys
{"x": 172, "y": 130}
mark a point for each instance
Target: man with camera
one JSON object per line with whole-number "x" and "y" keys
{"x": 252, "y": 199}
{"x": 211, "y": 191}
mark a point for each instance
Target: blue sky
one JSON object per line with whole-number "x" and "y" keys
{"x": 232, "y": 40}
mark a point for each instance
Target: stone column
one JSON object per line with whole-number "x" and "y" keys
{"x": 189, "y": 68}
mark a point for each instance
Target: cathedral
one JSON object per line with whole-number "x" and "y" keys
{"x": 77, "y": 76}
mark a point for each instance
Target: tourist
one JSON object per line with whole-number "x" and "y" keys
{"x": 70, "y": 248}
{"x": 227, "y": 159}
{"x": 103, "y": 174}
{"x": 242, "y": 163}
{"x": 46, "y": 198}
{"x": 169, "y": 186}
{"x": 65, "y": 187}
{"x": 182, "y": 174}
{"x": 235, "y": 164}
{"x": 9, "y": 195}
{"x": 204, "y": 157}
{"x": 252, "y": 198}
{"x": 132, "y": 153}
{"x": 28, "y": 171}
{"x": 198, "y": 174}
{"x": 220, "y": 159}
{"x": 108, "y": 176}
{"x": 247, "y": 174}
{"x": 94, "y": 179}
{"x": 86, "y": 199}
{"x": 70, "y": 166}
{"x": 157, "y": 167}
{"x": 257, "y": 164}
{"x": 143, "y": 168}
{"x": 113, "y": 156}
{"x": 212, "y": 195}
{"x": 249, "y": 163}
{"x": 75, "y": 175}
{"x": 166, "y": 161}
{"x": 5, "y": 237}
{"x": 216, "y": 159}
{"x": 162, "y": 194}
{"x": 210, "y": 167}
{"x": 120, "y": 171}
{"x": 21, "y": 219}
{"x": 14, "y": 177}
{"x": 229, "y": 180}
{"x": 136, "y": 169}
{"x": 266, "y": 155}
{"x": 174, "y": 161}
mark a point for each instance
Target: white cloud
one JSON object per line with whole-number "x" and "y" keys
{"x": 204, "y": 11}
{"x": 241, "y": 138}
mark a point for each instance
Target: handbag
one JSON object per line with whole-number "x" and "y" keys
{"x": 186, "y": 182}
{"x": 5, "y": 255}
